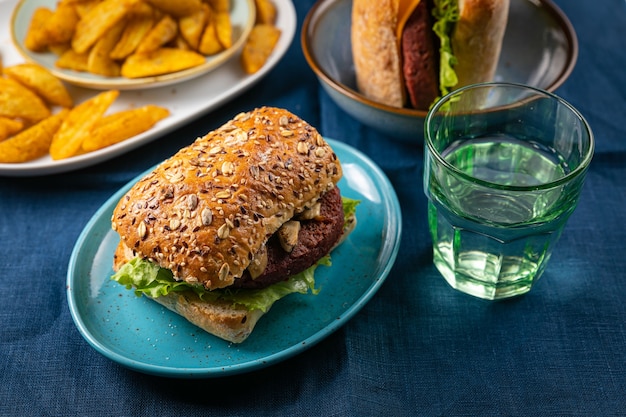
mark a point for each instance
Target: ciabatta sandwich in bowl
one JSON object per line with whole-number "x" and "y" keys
{"x": 407, "y": 53}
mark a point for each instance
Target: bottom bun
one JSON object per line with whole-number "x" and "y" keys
{"x": 221, "y": 319}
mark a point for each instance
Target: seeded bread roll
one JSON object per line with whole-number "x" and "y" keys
{"x": 477, "y": 39}
{"x": 205, "y": 212}
{"x": 375, "y": 51}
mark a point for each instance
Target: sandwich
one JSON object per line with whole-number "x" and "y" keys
{"x": 408, "y": 53}
{"x": 233, "y": 222}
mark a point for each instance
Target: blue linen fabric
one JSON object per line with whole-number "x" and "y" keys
{"x": 417, "y": 348}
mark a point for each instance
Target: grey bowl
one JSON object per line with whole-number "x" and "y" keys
{"x": 540, "y": 49}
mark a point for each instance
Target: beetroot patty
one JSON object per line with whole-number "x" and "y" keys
{"x": 421, "y": 56}
{"x": 316, "y": 239}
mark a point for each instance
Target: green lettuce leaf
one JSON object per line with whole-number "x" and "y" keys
{"x": 349, "y": 207}
{"x": 145, "y": 277}
{"x": 446, "y": 13}
{"x": 148, "y": 278}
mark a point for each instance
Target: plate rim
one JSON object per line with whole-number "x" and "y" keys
{"x": 390, "y": 207}
{"x": 120, "y": 83}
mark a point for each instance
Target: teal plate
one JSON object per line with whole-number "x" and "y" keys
{"x": 144, "y": 336}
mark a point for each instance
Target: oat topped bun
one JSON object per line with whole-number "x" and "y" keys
{"x": 208, "y": 210}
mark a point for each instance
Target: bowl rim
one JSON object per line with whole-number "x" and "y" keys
{"x": 321, "y": 5}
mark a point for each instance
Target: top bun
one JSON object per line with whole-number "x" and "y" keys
{"x": 206, "y": 211}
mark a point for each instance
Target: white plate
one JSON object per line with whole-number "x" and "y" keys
{"x": 242, "y": 19}
{"x": 186, "y": 101}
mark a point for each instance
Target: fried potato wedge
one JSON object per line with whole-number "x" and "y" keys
{"x": 122, "y": 125}
{"x": 220, "y": 6}
{"x": 265, "y": 12}
{"x": 33, "y": 142}
{"x": 210, "y": 43}
{"x": 61, "y": 25}
{"x": 83, "y": 7}
{"x": 191, "y": 26}
{"x": 36, "y": 39}
{"x": 9, "y": 127}
{"x": 177, "y": 8}
{"x": 224, "y": 29}
{"x": 42, "y": 82}
{"x": 17, "y": 101}
{"x": 72, "y": 60}
{"x": 99, "y": 61}
{"x": 76, "y": 126}
{"x": 161, "y": 61}
{"x": 59, "y": 48}
{"x": 259, "y": 47}
{"x": 137, "y": 27}
{"x": 102, "y": 17}
{"x": 143, "y": 8}
{"x": 163, "y": 32}
{"x": 181, "y": 43}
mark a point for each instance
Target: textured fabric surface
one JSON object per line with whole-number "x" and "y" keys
{"x": 417, "y": 348}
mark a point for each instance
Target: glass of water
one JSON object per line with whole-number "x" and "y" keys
{"x": 504, "y": 167}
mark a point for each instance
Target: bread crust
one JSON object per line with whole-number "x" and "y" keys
{"x": 207, "y": 210}
{"x": 477, "y": 39}
{"x": 376, "y": 51}
{"x": 218, "y": 318}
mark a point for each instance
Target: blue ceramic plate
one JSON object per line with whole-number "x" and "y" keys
{"x": 142, "y": 335}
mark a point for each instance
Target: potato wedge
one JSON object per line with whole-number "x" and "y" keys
{"x": 161, "y": 61}
{"x": 181, "y": 43}
{"x": 259, "y": 47}
{"x": 83, "y": 7}
{"x": 143, "y": 8}
{"x": 163, "y": 32}
{"x": 59, "y": 48}
{"x": 220, "y": 6}
{"x": 122, "y": 125}
{"x": 72, "y": 60}
{"x": 99, "y": 61}
{"x": 191, "y": 26}
{"x": 42, "y": 82}
{"x": 177, "y": 8}
{"x": 136, "y": 29}
{"x": 224, "y": 29}
{"x": 98, "y": 21}
{"x": 68, "y": 140}
{"x": 17, "y": 101}
{"x": 33, "y": 142}
{"x": 210, "y": 43}
{"x": 9, "y": 127}
{"x": 265, "y": 12}
{"x": 36, "y": 39}
{"x": 61, "y": 25}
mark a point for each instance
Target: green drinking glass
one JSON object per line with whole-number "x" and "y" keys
{"x": 504, "y": 167}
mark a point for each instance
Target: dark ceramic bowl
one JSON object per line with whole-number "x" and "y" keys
{"x": 539, "y": 49}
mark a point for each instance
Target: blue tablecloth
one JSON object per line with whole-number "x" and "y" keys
{"x": 417, "y": 348}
